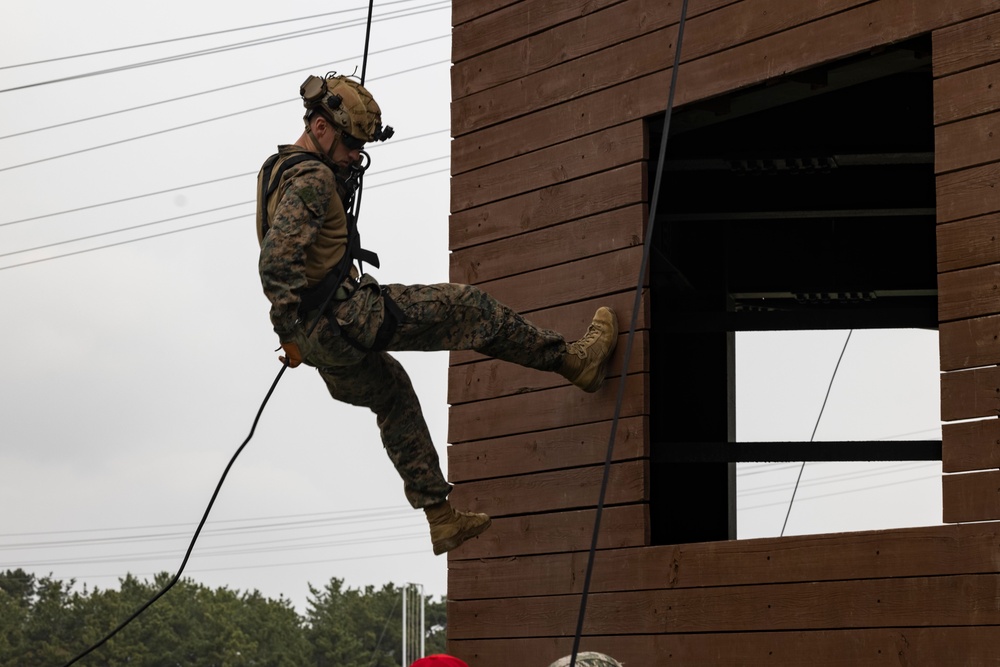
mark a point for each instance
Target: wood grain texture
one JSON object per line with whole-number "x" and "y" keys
{"x": 549, "y": 206}
{"x": 880, "y": 647}
{"x": 531, "y": 53}
{"x": 957, "y": 600}
{"x": 463, "y": 11}
{"x": 908, "y": 552}
{"x": 622, "y": 59}
{"x": 967, "y": 143}
{"x": 547, "y": 409}
{"x": 621, "y": 526}
{"x": 970, "y": 394}
{"x": 973, "y": 496}
{"x": 571, "y": 488}
{"x": 973, "y": 445}
{"x": 966, "y": 94}
{"x": 507, "y": 24}
{"x": 969, "y": 192}
{"x": 571, "y": 446}
{"x": 968, "y": 243}
{"x": 550, "y": 246}
{"x": 590, "y": 154}
{"x": 586, "y": 278}
{"x": 966, "y": 45}
{"x": 848, "y": 33}
{"x": 969, "y": 293}
{"x": 970, "y": 343}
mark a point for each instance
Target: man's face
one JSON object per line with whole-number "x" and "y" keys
{"x": 345, "y": 156}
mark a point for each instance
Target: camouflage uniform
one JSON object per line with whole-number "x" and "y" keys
{"x": 435, "y": 317}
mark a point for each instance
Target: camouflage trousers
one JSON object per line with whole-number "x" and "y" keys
{"x": 435, "y": 317}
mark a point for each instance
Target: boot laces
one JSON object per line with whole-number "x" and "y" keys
{"x": 580, "y": 347}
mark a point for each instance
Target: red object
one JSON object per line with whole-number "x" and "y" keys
{"x": 440, "y": 660}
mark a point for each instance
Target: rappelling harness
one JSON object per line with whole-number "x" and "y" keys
{"x": 338, "y": 284}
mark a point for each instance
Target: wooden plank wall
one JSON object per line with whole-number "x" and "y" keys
{"x": 867, "y": 598}
{"x": 967, "y": 152}
{"x": 549, "y": 205}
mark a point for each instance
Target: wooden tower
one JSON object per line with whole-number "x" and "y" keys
{"x": 881, "y": 115}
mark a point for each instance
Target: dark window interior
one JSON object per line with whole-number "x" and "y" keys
{"x": 804, "y": 203}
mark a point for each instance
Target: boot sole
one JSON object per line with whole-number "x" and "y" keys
{"x": 456, "y": 540}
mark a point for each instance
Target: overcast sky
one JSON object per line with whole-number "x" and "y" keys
{"x": 132, "y": 373}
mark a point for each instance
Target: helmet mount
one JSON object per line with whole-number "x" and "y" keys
{"x": 346, "y": 104}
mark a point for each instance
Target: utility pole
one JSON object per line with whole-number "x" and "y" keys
{"x": 413, "y": 623}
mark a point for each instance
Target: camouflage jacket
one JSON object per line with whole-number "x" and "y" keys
{"x": 307, "y": 234}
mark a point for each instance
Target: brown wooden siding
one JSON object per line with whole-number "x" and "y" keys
{"x": 821, "y": 648}
{"x": 927, "y": 551}
{"x": 970, "y": 394}
{"x": 549, "y": 206}
{"x": 967, "y": 161}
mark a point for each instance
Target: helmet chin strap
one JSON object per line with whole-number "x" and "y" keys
{"x": 318, "y": 146}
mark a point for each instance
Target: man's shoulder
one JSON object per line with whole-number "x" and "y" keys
{"x": 297, "y": 162}
{"x": 301, "y": 156}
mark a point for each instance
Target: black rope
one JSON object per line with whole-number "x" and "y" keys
{"x": 253, "y": 427}
{"x": 815, "y": 427}
{"x": 637, "y": 304}
{"x": 368, "y": 32}
{"x": 197, "y": 531}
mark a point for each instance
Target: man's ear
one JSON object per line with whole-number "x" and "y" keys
{"x": 319, "y": 124}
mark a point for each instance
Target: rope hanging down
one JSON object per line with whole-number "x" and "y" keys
{"x": 647, "y": 246}
{"x": 815, "y": 427}
{"x": 253, "y": 427}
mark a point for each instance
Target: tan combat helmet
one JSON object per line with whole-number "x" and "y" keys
{"x": 347, "y": 105}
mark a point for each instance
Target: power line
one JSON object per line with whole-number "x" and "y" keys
{"x": 839, "y": 478}
{"x": 193, "y": 227}
{"x": 159, "y": 555}
{"x": 815, "y": 427}
{"x": 215, "y": 90}
{"x": 389, "y": 16}
{"x": 198, "y": 36}
{"x": 125, "y": 199}
{"x": 180, "y": 217}
{"x": 272, "y": 517}
{"x": 266, "y": 565}
{"x": 145, "y": 136}
{"x": 123, "y": 229}
{"x": 180, "y": 187}
{"x": 842, "y": 493}
{"x": 392, "y": 515}
{"x": 183, "y": 127}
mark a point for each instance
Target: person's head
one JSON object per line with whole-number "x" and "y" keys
{"x": 588, "y": 659}
{"x": 439, "y": 660}
{"x": 341, "y": 116}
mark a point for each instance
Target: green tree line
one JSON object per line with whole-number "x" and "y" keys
{"x": 44, "y": 622}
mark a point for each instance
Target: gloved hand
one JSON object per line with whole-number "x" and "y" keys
{"x": 293, "y": 357}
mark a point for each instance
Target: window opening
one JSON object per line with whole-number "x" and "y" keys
{"x": 805, "y": 204}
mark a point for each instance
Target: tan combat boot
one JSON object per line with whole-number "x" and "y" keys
{"x": 586, "y": 360}
{"x": 449, "y": 527}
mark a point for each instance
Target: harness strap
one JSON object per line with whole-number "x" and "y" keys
{"x": 315, "y": 296}
{"x": 267, "y": 187}
{"x": 392, "y": 316}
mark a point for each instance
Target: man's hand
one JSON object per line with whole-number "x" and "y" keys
{"x": 293, "y": 357}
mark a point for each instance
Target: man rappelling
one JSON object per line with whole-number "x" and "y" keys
{"x": 332, "y": 316}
